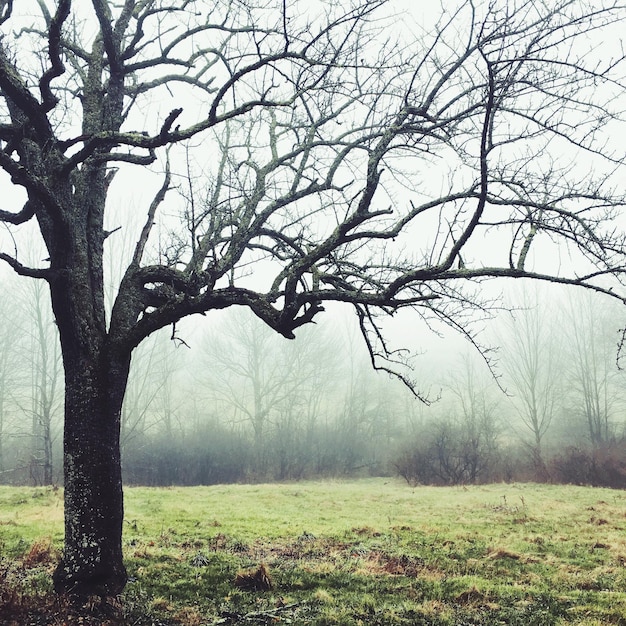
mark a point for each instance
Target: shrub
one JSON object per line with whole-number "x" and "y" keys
{"x": 602, "y": 466}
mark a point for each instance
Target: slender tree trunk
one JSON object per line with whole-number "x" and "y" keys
{"x": 47, "y": 452}
{"x": 541, "y": 471}
{"x": 92, "y": 560}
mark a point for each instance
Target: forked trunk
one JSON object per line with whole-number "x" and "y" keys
{"x": 92, "y": 559}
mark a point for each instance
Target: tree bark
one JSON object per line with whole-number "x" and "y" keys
{"x": 96, "y": 376}
{"x": 92, "y": 559}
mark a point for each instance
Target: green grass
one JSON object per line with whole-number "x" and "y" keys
{"x": 357, "y": 552}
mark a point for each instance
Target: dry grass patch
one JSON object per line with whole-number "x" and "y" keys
{"x": 41, "y": 553}
{"x": 503, "y": 553}
{"x": 258, "y": 579}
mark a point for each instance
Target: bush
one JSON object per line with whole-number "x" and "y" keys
{"x": 602, "y": 466}
{"x": 450, "y": 453}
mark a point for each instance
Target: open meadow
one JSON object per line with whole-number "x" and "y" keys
{"x": 372, "y": 551}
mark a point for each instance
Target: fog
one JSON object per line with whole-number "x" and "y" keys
{"x": 527, "y": 389}
{"x": 222, "y": 398}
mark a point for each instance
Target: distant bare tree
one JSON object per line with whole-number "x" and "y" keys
{"x": 591, "y": 329}
{"x": 461, "y": 445}
{"x": 31, "y": 379}
{"x": 10, "y": 329}
{"x": 476, "y": 426}
{"x": 333, "y": 164}
{"x": 148, "y": 403}
{"x": 533, "y": 367}
{"x": 46, "y": 385}
{"x": 265, "y": 383}
{"x": 315, "y": 375}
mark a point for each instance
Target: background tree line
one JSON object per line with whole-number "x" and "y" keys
{"x": 234, "y": 402}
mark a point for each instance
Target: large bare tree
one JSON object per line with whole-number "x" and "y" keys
{"x": 316, "y": 156}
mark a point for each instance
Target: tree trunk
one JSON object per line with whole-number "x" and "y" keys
{"x": 92, "y": 559}
{"x": 541, "y": 471}
{"x": 48, "y": 477}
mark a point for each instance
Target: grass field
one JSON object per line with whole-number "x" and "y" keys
{"x": 359, "y": 552}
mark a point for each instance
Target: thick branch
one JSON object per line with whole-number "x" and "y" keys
{"x": 24, "y": 270}
{"x": 13, "y": 87}
{"x": 6, "y": 9}
{"x": 49, "y": 100}
{"x": 103, "y": 12}
{"x": 27, "y": 212}
{"x": 33, "y": 184}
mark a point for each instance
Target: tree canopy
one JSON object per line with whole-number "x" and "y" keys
{"x": 355, "y": 168}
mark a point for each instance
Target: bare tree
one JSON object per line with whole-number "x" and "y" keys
{"x": 368, "y": 406}
{"x": 273, "y": 387}
{"x": 148, "y": 399}
{"x": 10, "y": 329}
{"x": 530, "y": 359}
{"x": 476, "y": 425}
{"x": 312, "y": 373}
{"x": 332, "y": 165}
{"x": 596, "y": 380}
{"x": 45, "y": 385}
{"x": 461, "y": 445}
{"x": 31, "y": 382}
{"x": 248, "y": 377}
